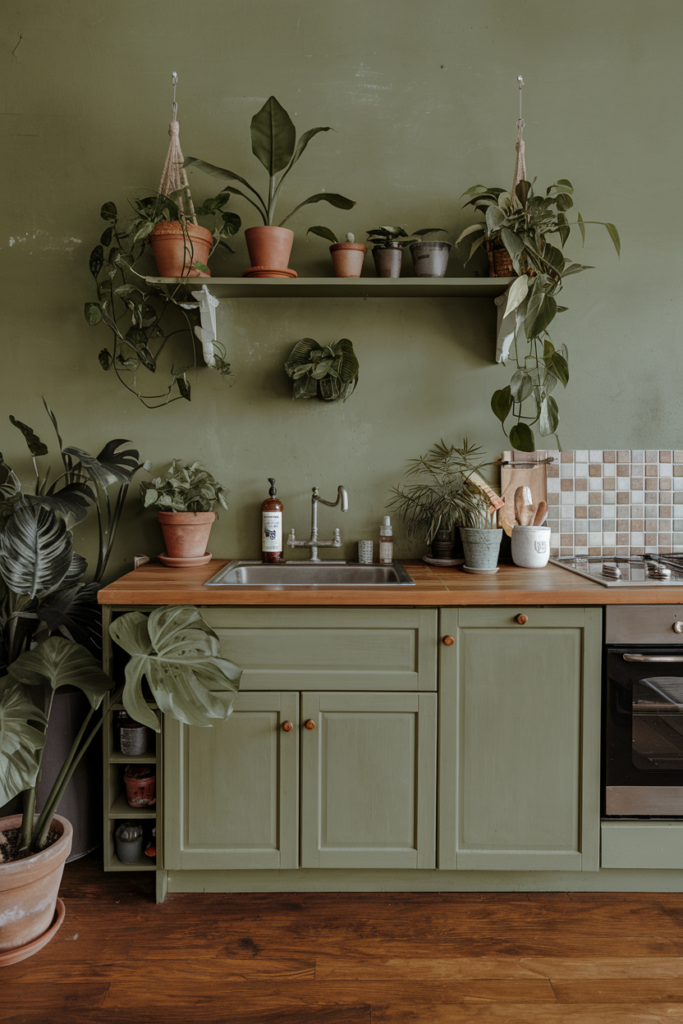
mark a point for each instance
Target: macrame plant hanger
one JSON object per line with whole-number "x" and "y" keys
{"x": 520, "y": 168}
{"x": 174, "y": 177}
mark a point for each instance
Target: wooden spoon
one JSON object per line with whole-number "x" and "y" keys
{"x": 541, "y": 513}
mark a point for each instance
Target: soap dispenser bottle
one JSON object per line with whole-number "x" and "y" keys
{"x": 272, "y": 548}
{"x": 386, "y": 542}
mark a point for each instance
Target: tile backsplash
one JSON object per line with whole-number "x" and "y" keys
{"x": 615, "y": 502}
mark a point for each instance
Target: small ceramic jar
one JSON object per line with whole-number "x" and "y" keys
{"x": 132, "y": 737}
{"x": 531, "y": 546}
{"x": 140, "y": 783}
{"x": 128, "y": 842}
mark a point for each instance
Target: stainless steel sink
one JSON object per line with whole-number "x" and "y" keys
{"x": 308, "y": 574}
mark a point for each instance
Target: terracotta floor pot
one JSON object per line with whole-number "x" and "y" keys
{"x": 186, "y": 533}
{"x": 347, "y": 258}
{"x": 29, "y": 888}
{"x": 269, "y": 247}
{"x": 387, "y": 261}
{"x": 176, "y": 250}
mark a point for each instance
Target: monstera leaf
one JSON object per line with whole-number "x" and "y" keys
{"x": 59, "y": 662}
{"x": 180, "y": 657}
{"x": 74, "y": 612}
{"x": 22, "y": 734}
{"x": 36, "y": 551}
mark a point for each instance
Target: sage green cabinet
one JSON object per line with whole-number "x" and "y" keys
{"x": 520, "y": 739}
{"x": 368, "y": 785}
{"x": 232, "y": 791}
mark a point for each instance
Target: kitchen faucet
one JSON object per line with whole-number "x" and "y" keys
{"x": 313, "y": 543}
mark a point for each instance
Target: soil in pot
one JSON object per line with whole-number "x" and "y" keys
{"x": 176, "y": 247}
{"x": 347, "y": 258}
{"x": 269, "y": 247}
{"x": 430, "y": 259}
{"x": 186, "y": 533}
{"x": 481, "y": 547}
{"x": 387, "y": 261}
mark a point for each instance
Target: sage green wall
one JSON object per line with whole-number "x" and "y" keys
{"x": 424, "y": 102}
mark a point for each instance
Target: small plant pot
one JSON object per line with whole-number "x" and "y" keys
{"x": 530, "y": 546}
{"x": 387, "y": 261}
{"x": 442, "y": 545}
{"x": 269, "y": 247}
{"x": 186, "y": 533}
{"x": 28, "y": 892}
{"x": 347, "y": 258}
{"x": 176, "y": 248}
{"x": 430, "y": 259}
{"x": 481, "y": 547}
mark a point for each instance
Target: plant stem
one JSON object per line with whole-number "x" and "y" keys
{"x": 27, "y": 820}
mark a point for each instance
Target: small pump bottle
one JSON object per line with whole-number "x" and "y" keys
{"x": 272, "y": 549}
{"x": 386, "y": 542}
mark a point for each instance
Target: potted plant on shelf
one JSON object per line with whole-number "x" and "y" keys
{"x": 327, "y": 372}
{"x": 516, "y": 232}
{"x": 347, "y": 257}
{"x": 441, "y": 499}
{"x": 430, "y": 256}
{"x": 185, "y": 498}
{"x": 388, "y": 244}
{"x": 274, "y": 143}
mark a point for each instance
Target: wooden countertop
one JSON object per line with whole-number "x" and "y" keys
{"x": 155, "y": 584}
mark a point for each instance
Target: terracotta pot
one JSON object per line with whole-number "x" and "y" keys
{"x": 186, "y": 533}
{"x": 269, "y": 247}
{"x": 387, "y": 261}
{"x": 347, "y": 258}
{"x": 29, "y": 887}
{"x": 176, "y": 250}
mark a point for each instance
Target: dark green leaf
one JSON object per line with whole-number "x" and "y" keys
{"x": 35, "y": 445}
{"x": 512, "y": 242}
{"x": 549, "y": 417}
{"x": 305, "y": 387}
{"x": 558, "y": 366}
{"x": 232, "y": 222}
{"x": 564, "y": 202}
{"x": 147, "y": 358}
{"x": 323, "y": 232}
{"x": 521, "y": 385}
{"x": 582, "y": 227}
{"x": 225, "y": 175}
{"x": 554, "y": 257}
{"x": 59, "y": 662}
{"x": 548, "y": 350}
{"x": 70, "y": 502}
{"x": 522, "y": 438}
{"x": 522, "y": 191}
{"x": 106, "y": 236}
{"x": 96, "y": 260}
{"x": 273, "y": 136}
{"x": 184, "y": 387}
{"x": 109, "y": 212}
{"x": 541, "y": 310}
{"x": 92, "y": 312}
{"x": 304, "y": 140}
{"x": 198, "y": 265}
{"x": 614, "y": 235}
{"x": 22, "y": 734}
{"x": 340, "y": 202}
{"x": 501, "y": 403}
{"x": 494, "y": 220}
{"x": 35, "y": 551}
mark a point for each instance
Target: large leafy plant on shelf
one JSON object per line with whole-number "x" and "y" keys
{"x": 523, "y": 221}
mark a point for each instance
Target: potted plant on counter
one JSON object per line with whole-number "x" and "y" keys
{"x": 388, "y": 244}
{"x": 347, "y": 256}
{"x": 185, "y": 498}
{"x": 441, "y": 499}
{"x": 274, "y": 143}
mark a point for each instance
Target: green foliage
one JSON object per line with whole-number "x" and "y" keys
{"x": 397, "y": 238}
{"x": 523, "y": 223}
{"x": 180, "y": 657}
{"x": 22, "y": 735}
{"x": 184, "y": 489}
{"x": 329, "y": 372}
{"x": 441, "y": 498}
{"x": 273, "y": 142}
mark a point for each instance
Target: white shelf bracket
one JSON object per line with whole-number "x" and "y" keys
{"x": 207, "y": 304}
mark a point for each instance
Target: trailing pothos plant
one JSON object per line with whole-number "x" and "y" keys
{"x": 274, "y": 143}
{"x": 522, "y": 222}
{"x": 327, "y": 372}
{"x": 144, "y": 317}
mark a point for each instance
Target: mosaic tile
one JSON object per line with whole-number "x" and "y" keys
{"x": 623, "y": 456}
{"x": 595, "y": 456}
{"x": 665, "y": 456}
{"x": 609, "y": 456}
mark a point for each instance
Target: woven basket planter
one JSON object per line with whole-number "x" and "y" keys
{"x": 500, "y": 261}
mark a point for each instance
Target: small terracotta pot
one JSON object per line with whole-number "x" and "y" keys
{"x": 269, "y": 247}
{"x": 387, "y": 261}
{"x": 175, "y": 249}
{"x": 29, "y": 887}
{"x": 347, "y": 258}
{"x": 186, "y": 533}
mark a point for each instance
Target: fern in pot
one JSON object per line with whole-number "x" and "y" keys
{"x": 185, "y": 499}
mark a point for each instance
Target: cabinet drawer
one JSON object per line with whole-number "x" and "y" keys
{"x": 642, "y": 844}
{"x": 329, "y": 648}
{"x": 501, "y": 618}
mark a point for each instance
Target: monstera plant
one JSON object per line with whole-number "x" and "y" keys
{"x": 327, "y": 372}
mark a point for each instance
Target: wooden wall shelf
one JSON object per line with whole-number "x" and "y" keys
{"x": 345, "y": 287}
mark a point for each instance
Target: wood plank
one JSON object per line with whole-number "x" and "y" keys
{"x": 154, "y": 584}
{"x": 616, "y": 991}
{"x": 504, "y": 1013}
{"x": 53, "y": 1000}
{"x": 555, "y": 969}
{"x": 182, "y": 973}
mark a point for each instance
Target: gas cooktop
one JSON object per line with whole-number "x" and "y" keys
{"x": 627, "y": 571}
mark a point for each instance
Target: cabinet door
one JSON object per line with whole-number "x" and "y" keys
{"x": 368, "y": 780}
{"x": 231, "y": 793}
{"x": 520, "y": 739}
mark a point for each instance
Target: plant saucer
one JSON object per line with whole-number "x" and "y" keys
{"x": 481, "y": 572}
{"x": 442, "y": 561}
{"x": 185, "y": 563}
{"x": 13, "y": 956}
{"x": 269, "y": 272}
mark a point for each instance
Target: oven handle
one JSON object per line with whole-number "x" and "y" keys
{"x": 649, "y": 658}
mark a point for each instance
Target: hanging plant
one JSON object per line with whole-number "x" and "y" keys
{"x": 327, "y": 372}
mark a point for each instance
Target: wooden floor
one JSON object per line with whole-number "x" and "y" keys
{"x": 350, "y": 959}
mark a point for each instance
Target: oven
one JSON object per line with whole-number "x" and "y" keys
{"x": 643, "y": 712}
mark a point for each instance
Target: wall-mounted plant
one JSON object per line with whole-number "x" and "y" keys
{"x": 327, "y": 372}
{"x": 388, "y": 244}
{"x": 142, "y": 317}
{"x": 274, "y": 143}
{"x": 521, "y": 222}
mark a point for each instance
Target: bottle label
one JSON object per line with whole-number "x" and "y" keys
{"x": 271, "y": 539}
{"x": 386, "y": 551}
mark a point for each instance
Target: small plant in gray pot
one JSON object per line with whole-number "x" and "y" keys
{"x": 185, "y": 498}
{"x": 440, "y": 499}
{"x": 430, "y": 256}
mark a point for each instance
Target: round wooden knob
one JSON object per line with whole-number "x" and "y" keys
{"x": 522, "y": 619}
{"x": 449, "y": 641}
{"x": 310, "y": 724}
{"x": 287, "y": 726}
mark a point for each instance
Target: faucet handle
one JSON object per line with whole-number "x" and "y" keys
{"x": 337, "y": 538}
{"x": 292, "y": 538}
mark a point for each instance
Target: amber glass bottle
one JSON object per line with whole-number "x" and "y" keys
{"x": 272, "y": 548}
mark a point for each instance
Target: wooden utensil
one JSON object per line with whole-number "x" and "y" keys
{"x": 541, "y": 513}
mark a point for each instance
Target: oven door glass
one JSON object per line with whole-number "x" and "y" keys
{"x": 657, "y": 724}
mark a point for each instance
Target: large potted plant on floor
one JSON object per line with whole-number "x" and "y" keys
{"x": 185, "y": 499}
{"x": 274, "y": 143}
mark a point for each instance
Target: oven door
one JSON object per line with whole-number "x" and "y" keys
{"x": 643, "y": 748}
